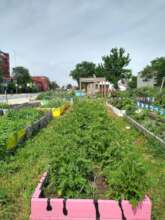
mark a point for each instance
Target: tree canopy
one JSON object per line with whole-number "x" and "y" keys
{"x": 83, "y": 69}
{"x": 22, "y": 75}
{"x": 156, "y": 69}
{"x": 115, "y": 65}
{"x": 53, "y": 85}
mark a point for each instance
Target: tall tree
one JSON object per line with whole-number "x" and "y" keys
{"x": 115, "y": 65}
{"x": 100, "y": 71}
{"x": 84, "y": 69}
{"x": 22, "y": 75}
{"x": 156, "y": 69}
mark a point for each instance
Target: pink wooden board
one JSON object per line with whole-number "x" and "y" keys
{"x": 84, "y": 209}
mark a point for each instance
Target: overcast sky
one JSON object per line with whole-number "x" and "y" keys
{"x": 51, "y": 36}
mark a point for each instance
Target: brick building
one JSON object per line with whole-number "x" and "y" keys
{"x": 4, "y": 65}
{"x": 41, "y": 82}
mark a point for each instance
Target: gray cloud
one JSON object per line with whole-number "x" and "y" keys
{"x": 50, "y": 37}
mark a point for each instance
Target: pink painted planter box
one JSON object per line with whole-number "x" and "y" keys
{"x": 85, "y": 209}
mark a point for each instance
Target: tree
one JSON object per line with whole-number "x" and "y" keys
{"x": 53, "y": 85}
{"x": 114, "y": 65}
{"x": 11, "y": 87}
{"x": 100, "y": 71}
{"x": 22, "y": 76}
{"x": 132, "y": 82}
{"x": 84, "y": 69}
{"x": 69, "y": 86}
{"x": 156, "y": 69}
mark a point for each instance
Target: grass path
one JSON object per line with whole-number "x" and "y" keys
{"x": 20, "y": 174}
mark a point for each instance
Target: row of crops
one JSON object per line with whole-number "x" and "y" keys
{"x": 91, "y": 150}
{"x": 13, "y": 122}
{"x": 88, "y": 154}
{"x": 150, "y": 114}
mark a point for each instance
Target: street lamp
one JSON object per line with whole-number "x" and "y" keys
{"x": 16, "y": 85}
{"x": 28, "y": 89}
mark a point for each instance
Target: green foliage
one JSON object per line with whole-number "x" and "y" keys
{"x": 155, "y": 69}
{"x": 154, "y": 122}
{"x": 51, "y": 94}
{"x": 71, "y": 175}
{"x": 99, "y": 70}
{"x": 13, "y": 121}
{"x": 125, "y": 180}
{"x": 4, "y": 106}
{"x": 146, "y": 92}
{"x": 124, "y": 101}
{"x": 53, "y": 103}
{"x": 53, "y": 85}
{"x": 84, "y": 69}
{"x": 114, "y": 65}
{"x": 22, "y": 76}
{"x": 11, "y": 87}
{"x": 19, "y": 175}
{"x": 132, "y": 84}
{"x": 88, "y": 145}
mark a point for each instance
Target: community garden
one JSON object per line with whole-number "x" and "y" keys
{"x": 88, "y": 153}
{"x": 146, "y": 106}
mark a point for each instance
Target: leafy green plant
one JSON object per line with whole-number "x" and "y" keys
{"x": 54, "y": 103}
{"x": 125, "y": 180}
{"x": 15, "y": 120}
{"x": 39, "y": 152}
{"x": 51, "y": 95}
{"x": 4, "y": 106}
{"x": 127, "y": 101}
{"x": 89, "y": 146}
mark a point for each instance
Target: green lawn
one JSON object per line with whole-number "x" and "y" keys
{"x": 20, "y": 174}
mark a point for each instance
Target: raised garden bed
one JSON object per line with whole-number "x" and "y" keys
{"x": 25, "y": 105}
{"x": 85, "y": 209}
{"x": 92, "y": 161}
{"x": 137, "y": 125}
{"x": 117, "y": 111}
{"x": 4, "y": 108}
{"x": 145, "y": 131}
{"x": 21, "y": 134}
